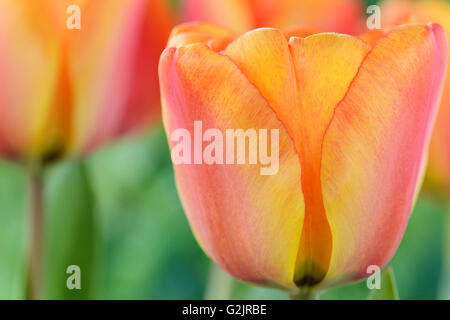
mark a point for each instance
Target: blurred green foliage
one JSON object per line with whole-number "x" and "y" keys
{"x": 12, "y": 235}
{"x": 72, "y": 231}
{"x": 371, "y": 2}
{"x": 388, "y": 287}
{"x": 128, "y": 232}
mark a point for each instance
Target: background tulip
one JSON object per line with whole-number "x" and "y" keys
{"x": 242, "y": 15}
{"x": 355, "y": 120}
{"x": 65, "y": 91}
{"x": 74, "y": 75}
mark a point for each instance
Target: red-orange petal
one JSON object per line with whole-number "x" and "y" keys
{"x": 374, "y": 150}
{"x": 246, "y": 222}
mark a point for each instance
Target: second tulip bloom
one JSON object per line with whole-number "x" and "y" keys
{"x": 66, "y": 91}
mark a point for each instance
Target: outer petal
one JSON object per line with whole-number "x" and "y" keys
{"x": 374, "y": 149}
{"x": 217, "y": 38}
{"x": 101, "y": 67}
{"x": 28, "y": 71}
{"x": 395, "y": 11}
{"x": 439, "y": 157}
{"x": 248, "y": 223}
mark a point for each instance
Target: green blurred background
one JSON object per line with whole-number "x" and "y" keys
{"x": 117, "y": 215}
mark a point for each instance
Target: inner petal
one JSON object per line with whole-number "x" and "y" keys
{"x": 303, "y": 81}
{"x": 325, "y": 65}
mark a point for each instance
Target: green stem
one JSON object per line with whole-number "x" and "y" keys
{"x": 35, "y": 235}
{"x": 219, "y": 284}
{"x": 444, "y": 289}
{"x": 306, "y": 294}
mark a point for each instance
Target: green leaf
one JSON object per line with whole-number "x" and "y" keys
{"x": 388, "y": 289}
{"x": 12, "y": 231}
{"x": 72, "y": 234}
{"x": 444, "y": 286}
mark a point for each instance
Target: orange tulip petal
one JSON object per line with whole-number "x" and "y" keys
{"x": 438, "y": 171}
{"x": 28, "y": 71}
{"x": 263, "y": 56}
{"x": 248, "y": 223}
{"x": 215, "y": 37}
{"x": 101, "y": 66}
{"x": 374, "y": 149}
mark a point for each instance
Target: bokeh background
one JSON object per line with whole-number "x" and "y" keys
{"x": 117, "y": 215}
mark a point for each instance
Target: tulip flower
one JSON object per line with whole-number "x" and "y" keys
{"x": 354, "y": 119}
{"x": 75, "y": 74}
{"x": 67, "y": 90}
{"x": 243, "y": 15}
{"x": 394, "y": 12}
{"x": 437, "y": 177}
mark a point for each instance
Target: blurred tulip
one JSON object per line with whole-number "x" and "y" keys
{"x": 243, "y": 15}
{"x": 437, "y": 178}
{"x": 354, "y": 122}
{"x": 65, "y": 91}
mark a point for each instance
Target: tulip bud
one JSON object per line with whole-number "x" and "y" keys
{"x": 71, "y": 83}
{"x": 354, "y": 120}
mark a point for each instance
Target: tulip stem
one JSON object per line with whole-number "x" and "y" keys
{"x": 306, "y": 294}
{"x": 219, "y": 285}
{"x": 35, "y": 234}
